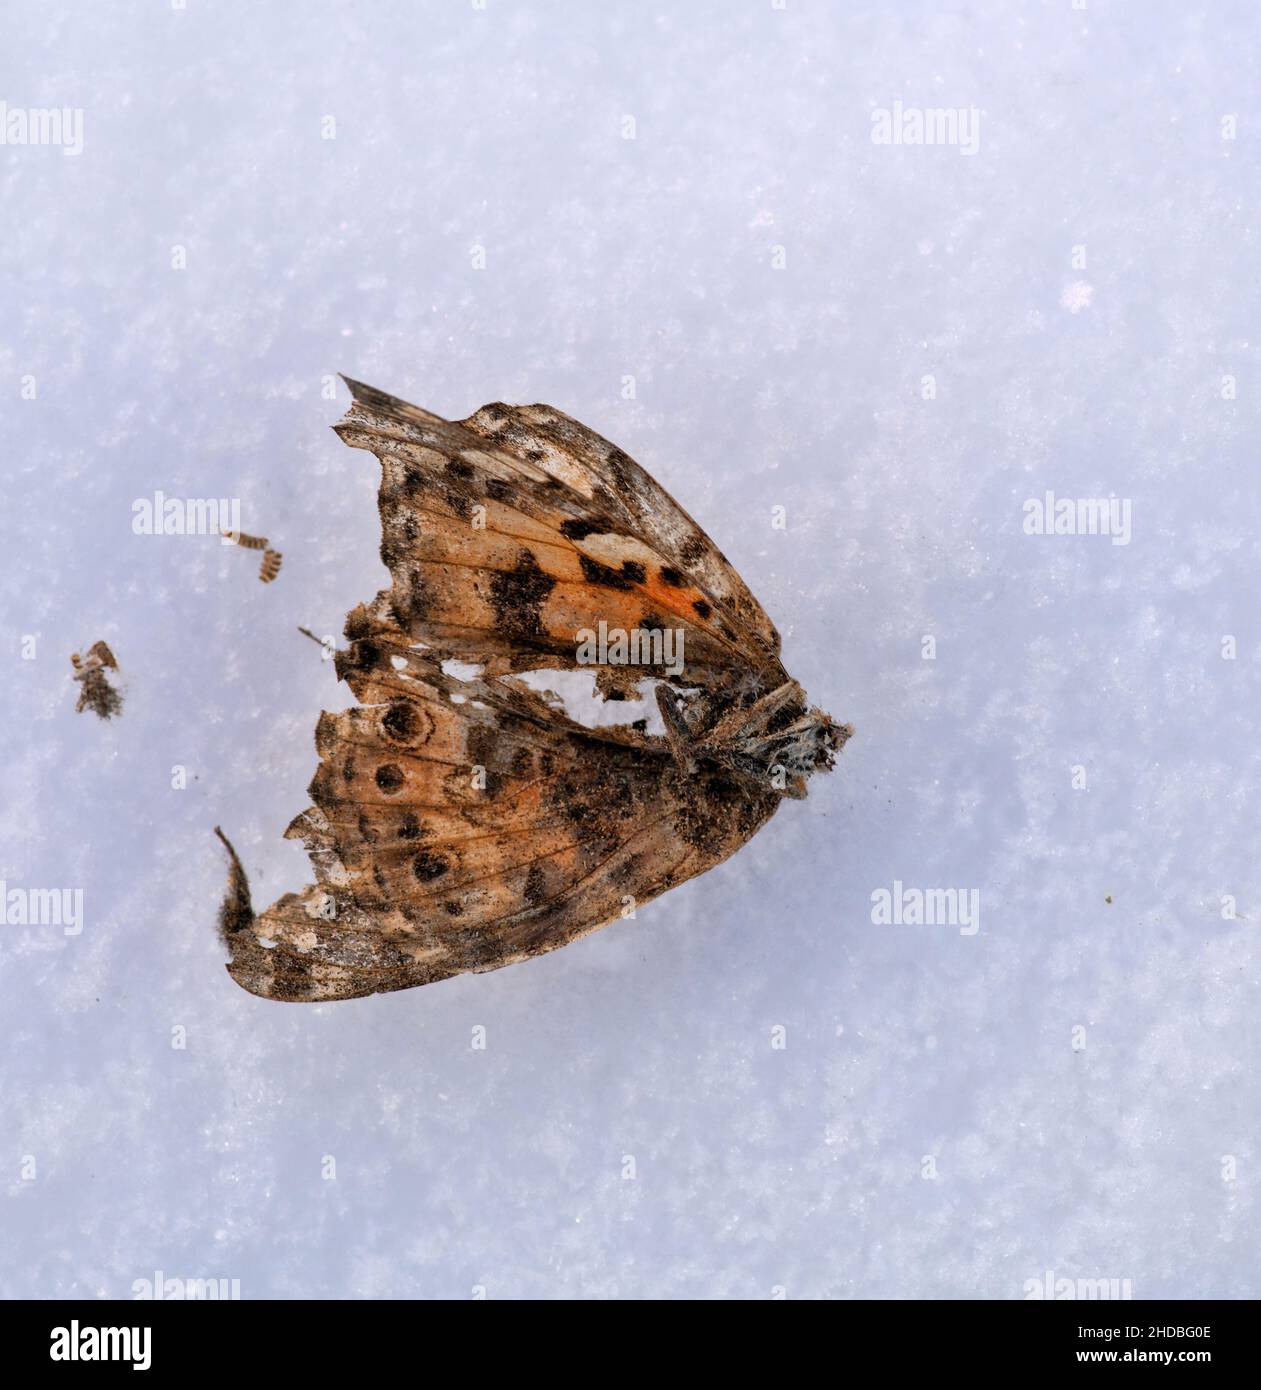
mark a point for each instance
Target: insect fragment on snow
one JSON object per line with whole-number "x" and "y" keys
{"x": 246, "y": 541}
{"x": 96, "y": 693}
{"x": 270, "y": 566}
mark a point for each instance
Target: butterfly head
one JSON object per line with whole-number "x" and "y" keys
{"x": 777, "y": 736}
{"x": 809, "y": 744}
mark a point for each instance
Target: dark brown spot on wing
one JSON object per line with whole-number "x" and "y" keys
{"x": 389, "y": 778}
{"x": 692, "y": 550}
{"x": 536, "y": 885}
{"x": 518, "y": 596}
{"x": 632, "y": 572}
{"x": 427, "y": 867}
{"x": 402, "y": 721}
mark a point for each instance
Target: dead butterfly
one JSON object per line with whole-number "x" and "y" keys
{"x": 465, "y": 821}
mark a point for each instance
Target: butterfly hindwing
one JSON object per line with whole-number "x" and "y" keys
{"x": 461, "y": 825}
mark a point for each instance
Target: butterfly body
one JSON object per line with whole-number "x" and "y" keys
{"x": 462, "y": 819}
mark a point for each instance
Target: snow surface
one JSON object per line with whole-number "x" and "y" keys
{"x": 758, "y": 1169}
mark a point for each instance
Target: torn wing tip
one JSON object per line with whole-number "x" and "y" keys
{"x": 236, "y": 912}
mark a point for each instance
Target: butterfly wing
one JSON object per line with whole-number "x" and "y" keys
{"x": 604, "y": 474}
{"x": 461, "y": 825}
{"x": 509, "y": 533}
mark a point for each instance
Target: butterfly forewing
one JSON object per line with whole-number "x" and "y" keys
{"x": 509, "y": 533}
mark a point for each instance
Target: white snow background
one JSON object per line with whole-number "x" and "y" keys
{"x": 764, "y": 378}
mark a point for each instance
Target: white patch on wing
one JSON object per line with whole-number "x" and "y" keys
{"x": 560, "y": 466}
{"x": 461, "y": 670}
{"x": 612, "y": 549}
{"x": 576, "y": 693}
